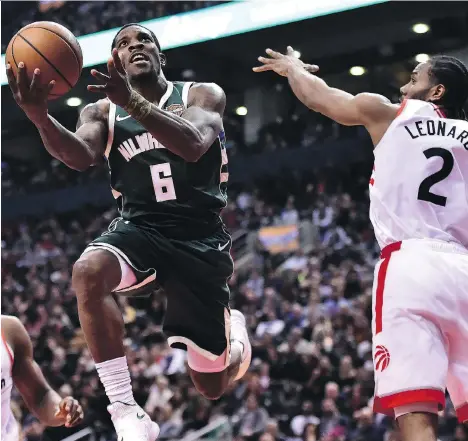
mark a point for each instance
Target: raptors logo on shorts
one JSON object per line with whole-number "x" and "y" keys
{"x": 382, "y": 358}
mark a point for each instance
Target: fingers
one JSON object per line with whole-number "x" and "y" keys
{"x": 111, "y": 68}
{"x": 99, "y": 75}
{"x": 23, "y": 84}
{"x": 263, "y": 68}
{"x": 312, "y": 68}
{"x": 35, "y": 80}
{"x": 98, "y": 88}
{"x": 266, "y": 60}
{"x": 118, "y": 62}
{"x": 50, "y": 86}
{"x": 11, "y": 79}
{"x": 62, "y": 406}
{"x": 76, "y": 417}
{"x": 70, "y": 409}
{"x": 290, "y": 50}
{"x": 274, "y": 54}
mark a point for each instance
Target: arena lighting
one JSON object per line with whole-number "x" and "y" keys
{"x": 216, "y": 22}
{"x": 74, "y": 101}
{"x": 421, "y": 58}
{"x": 357, "y": 71}
{"x": 421, "y": 28}
{"x": 297, "y": 54}
{"x": 241, "y": 111}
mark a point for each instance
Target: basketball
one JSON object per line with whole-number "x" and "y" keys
{"x": 53, "y": 49}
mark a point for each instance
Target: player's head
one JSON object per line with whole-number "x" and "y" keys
{"x": 442, "y": 80}
{"x": 133, "y": 39}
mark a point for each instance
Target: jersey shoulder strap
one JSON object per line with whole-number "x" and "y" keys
{"x": 183, "y": 88}
{"x": 413, "y": 108}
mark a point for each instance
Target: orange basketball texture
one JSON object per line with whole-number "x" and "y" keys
{"x": 53, "y": 49}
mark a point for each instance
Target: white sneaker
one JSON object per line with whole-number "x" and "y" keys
{"x": 239, "y": 333}
{"x": 132, "y": 423}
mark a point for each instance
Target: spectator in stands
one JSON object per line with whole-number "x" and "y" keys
{"x": 169, "y": 423}
{"x": 253, "y": 419}
{"x": 306, "y": 418}
{"x": 290, "y": 216}
{"x": 366, "y": 429}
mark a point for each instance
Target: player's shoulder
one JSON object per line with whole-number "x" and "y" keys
{"x": 98, "y": 111}
{"x": 211, "y": 94}
{"x": 368, "y": 100}
{"x": 14, "y": 331}
{"x": 10, "y": 322}
{"x": 375, "y": 108}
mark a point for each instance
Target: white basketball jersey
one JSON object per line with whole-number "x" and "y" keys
{"x": 419, "y": 186}
{"x": 9, "y": 424}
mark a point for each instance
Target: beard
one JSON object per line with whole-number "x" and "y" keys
{"x": 419, "y": 95}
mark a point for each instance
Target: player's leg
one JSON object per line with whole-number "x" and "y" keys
{"x": 418, "y": 425}
{"x": 198, "y": 318}
{"x": 212, "y": 385}
{"x": 457, "y": 379}
{"x": 410, "y": 351}
{"x": 96, "y": 275}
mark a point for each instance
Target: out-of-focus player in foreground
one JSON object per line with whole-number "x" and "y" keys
{"x": 419, "y": 210}
{"x": 19, "y": 369}
{"x": 165, "y": 146}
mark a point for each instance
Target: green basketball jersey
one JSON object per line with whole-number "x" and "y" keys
{"x": 157, "y": 189}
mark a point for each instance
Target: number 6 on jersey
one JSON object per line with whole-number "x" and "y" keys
{"x": 161, "y": 174}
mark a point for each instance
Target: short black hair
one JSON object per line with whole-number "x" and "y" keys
{"x": 153, "y": 36}
{"x": 453, "y": 74}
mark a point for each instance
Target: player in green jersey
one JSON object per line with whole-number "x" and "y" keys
{"x": 163, "y": 142}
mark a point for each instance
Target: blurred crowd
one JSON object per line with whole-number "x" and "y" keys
{"x": 87, "y": 17}
{"x": 308, "y": 311}
{"x": 296, "y": 131}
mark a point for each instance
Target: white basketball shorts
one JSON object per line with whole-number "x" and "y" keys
{"x": 420, "y": 325}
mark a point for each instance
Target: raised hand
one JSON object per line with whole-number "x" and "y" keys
{"x": 116, "y": 87}
{"x": 282, "y": 63}
{"x": 30, "y": 96}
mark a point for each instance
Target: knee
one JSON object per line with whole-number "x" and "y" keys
{"x": 211, "y": 385}
{"x": 95, "y": 272}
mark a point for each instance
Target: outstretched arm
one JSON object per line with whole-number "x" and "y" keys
{"x": 39, "y": 397}
{"x": 374, "y": 112}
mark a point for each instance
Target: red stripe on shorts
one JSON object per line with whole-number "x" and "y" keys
{"x": 386, "y": 404}
{"x": 381, "y": 276}
{"x": 462, "y": 413}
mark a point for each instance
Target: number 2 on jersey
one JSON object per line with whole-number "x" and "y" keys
{"x": 424, "y": 193}
{"x": 161, "y": 174}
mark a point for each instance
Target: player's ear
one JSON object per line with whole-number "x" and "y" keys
{"x": 163, "y": 59}
{"x": 437, "y": 92}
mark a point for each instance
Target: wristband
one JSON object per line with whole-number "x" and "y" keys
{"x": 137, "y": 106}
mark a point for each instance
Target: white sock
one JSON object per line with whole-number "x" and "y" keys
{"x": 115, "y": 377}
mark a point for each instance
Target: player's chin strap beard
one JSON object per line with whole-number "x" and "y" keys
{"x": 137, "y": 106}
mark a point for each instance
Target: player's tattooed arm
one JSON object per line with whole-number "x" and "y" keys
{"x": 86, "y": 146}
{"x": 191, "y": 134}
